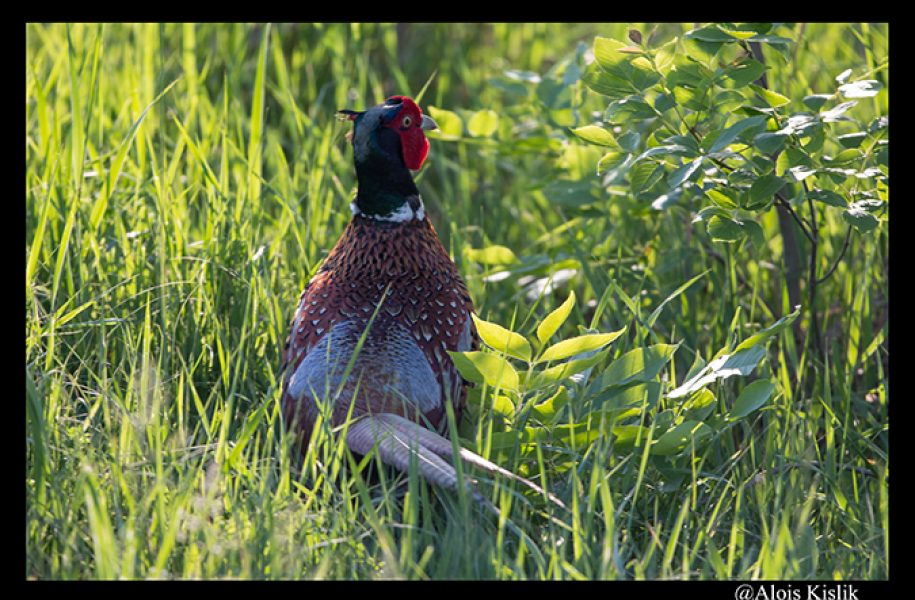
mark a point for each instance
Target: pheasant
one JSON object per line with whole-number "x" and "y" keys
{"x": 371, "y": 332}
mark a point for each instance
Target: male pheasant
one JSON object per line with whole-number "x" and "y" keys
{"x": 370, "y": 334}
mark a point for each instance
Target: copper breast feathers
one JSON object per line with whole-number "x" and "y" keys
{"x": 401, "y": 365}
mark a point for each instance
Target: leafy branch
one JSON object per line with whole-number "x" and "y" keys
{"x": 695, "y": 119}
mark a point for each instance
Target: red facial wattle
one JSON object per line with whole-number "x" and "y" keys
{"x": 415, "y": 148}
{"x": 408, "y": 125}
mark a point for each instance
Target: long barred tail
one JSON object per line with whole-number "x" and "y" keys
{"x": 398, "y": 441}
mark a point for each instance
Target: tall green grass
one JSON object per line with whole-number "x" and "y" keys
{"x": 183, "y": 182}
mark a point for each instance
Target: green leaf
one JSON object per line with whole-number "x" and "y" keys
{"x": 117, "y": 163}
{"x": 802, "y": 125}
{"x": 755, "y": 231}
{"x": 864, "y": 88}
{"x": 764, "y": 188}
{"x": 645, "y": 174}
{"x": 663, "y": 420}
{"x": 720, "y": 198}
{"x": 525, "y": 76}
{"x": 606, "y": 52}
{"x": 501, "y": 339}
{"x": 868, "y": 202}
{"x": 727, "y": 136}
{"x": 77, "y": 132}
{"x": 611, "y": 161}
{"x": 684, "y": 172}
{"x": 549, "y": 408}
{"x": 664, "y": 102}
{"x": 492, "y": 255}
{"x": 724, "y": 229}
{"x": 600, "y": 81}
{"x": 709, "y": 34}
{"x": 699, "y": 406}
{"x": 773, "y": 99}
{"x": 578, "y": 435}
{"x": 641, "y": 364}
{"x": 769, "y": 331}
{"x": 650, "y": 321}
{"x": 628, "y": 108}
{"x": 814, "y": 139}
{"x": 681, "y": 437}
{"x": 751, "y": 398}
{"x": 636, "y": 396}
{"x": 465, "y": 363}
{"x": 665, "y": 150}
{"x": 782, "y": 162}
{"x": 485, "y": 367}
{"x": 857, "y": 216}
{"x": 827, "y": 197}
{"x": 578, "y": 345}
{"x": 741, "y": 362}
{"x": 503, "y": 405}
{"x": 740, "y": 35}
{"x": 625, "y": 437}
{"x": 692, "y": 96}
{"x": 746, "y": 72}
{"x": 852, "y": 140}
{"x": 835, "y": 113}
{"x": 690, "y": 75}
{"x": 770, "y": 142}
{"x": 635, "y": 73}
{"x": 483, "y": 123}
{"x": 847, "y": 155}
{"x": 449, "y": 123}
{"x": 727, "y": 101}
{"x": 630, "y": 141}
{"x": 668, "y": 199}
{"x": 565, "y": 370}
{"x": 60, "y": 321}
{"x": 594, "y": 134}
{"x": 816, "y": 101}
{"x": 771, "y": 39}
{"x": 878, "y": 124}
{"x": 553, "y": 321}
{"x": 256, "y": 120}
{"x": 801, "y": 172}
{"x": 760, "y": 28}
{"x": 707, "y": 212}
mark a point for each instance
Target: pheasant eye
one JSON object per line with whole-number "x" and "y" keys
{"x": 407, "y": 121}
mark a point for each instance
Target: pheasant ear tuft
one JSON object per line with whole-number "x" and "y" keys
{"x": 348, "y": 115}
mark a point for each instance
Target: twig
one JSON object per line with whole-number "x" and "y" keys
{"x": 779, "y": 200}
{"x": 840, "y": 257}
{"x": 804, "y": 227}
{"x": 789, "y": 243}
{"x": 812, "y": 272}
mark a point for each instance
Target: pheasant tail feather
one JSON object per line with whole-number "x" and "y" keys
{"x": 399, "y": 441}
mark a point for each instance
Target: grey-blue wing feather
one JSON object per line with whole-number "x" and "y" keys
{"x": 390, "y": 372}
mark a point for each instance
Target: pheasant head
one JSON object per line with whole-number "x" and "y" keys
{"x": 389, "y": 142}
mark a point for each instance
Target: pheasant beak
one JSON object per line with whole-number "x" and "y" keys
{"x": 428, "y": 124}
{"x": 348, "y": 115}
